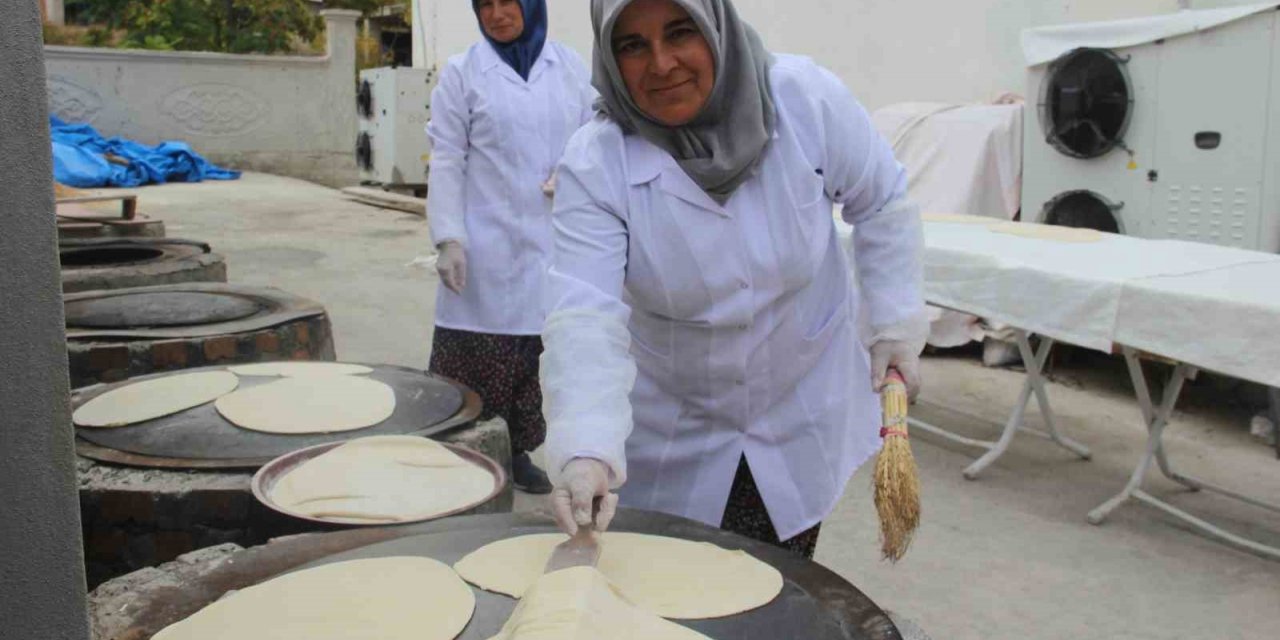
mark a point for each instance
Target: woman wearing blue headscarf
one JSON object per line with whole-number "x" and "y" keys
{"x": 501, "y": 116}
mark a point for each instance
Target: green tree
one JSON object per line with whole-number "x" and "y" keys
{"x": 230, "y": 26}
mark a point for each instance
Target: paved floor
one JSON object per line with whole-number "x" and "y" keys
{"x": 1008, "y": 556}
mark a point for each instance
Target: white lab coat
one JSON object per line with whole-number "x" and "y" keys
{"x": 738, "y": 324}
{"x": 495, "y": 139}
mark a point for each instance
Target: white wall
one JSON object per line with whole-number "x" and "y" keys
{"x": 288, "y": 115}
{"x": 886, "y": 50}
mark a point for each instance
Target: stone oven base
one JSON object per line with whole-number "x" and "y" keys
{"x": 180, "y": 268}
{"x": 141, "y": 227}
{"x": 106, "y": 360}
{"x": 134, "y": 518}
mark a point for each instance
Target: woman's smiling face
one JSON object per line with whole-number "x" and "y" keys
{"x": 664, "y": 60}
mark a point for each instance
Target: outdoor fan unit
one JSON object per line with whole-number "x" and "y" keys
{"x": 392, "y": 106}
{"x": 1176, "y": 136}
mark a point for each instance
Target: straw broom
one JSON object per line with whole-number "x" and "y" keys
{"x": 897, "y": 484}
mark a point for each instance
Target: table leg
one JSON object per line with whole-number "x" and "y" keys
{"x": 1042, "y": 399}
{"x": 1032, "y": 384}
{"x": 1157, "y": 419}
{"x": 1274, "y": 395}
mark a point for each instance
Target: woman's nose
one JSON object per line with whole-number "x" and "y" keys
{"x": 664, "y": 60}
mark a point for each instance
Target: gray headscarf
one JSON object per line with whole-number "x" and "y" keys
{"x": 720, "y": 147}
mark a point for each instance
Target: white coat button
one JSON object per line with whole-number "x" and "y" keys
{"x": 740, "y": 382}
{"x": 743, "y": 327}
{"x": 745, "y": 286}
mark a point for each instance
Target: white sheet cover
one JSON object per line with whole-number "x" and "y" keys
{"x": 1214, "y": 307}
{"x": 1044, "y": 44}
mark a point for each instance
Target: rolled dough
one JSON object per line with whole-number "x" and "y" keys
{"x": 958, "y": 218}
{"x": 580, "y": 604}
{"x": 1049, "y": 232}
{"x": 669, "y": 577}
{"x": 150, "y": 399}
{"x": 310, "y": 404}
{"x": 295, "y": 369}
{"x": 409, "y": 598}
{"x": 382, "y": 479}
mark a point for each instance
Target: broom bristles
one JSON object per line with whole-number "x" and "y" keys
{"x": 897, "y": 483}
{"x": 897, "y": 497}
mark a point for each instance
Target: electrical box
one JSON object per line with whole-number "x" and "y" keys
{"x": 393, "y": 105}
{"x": 1174, "y": 138}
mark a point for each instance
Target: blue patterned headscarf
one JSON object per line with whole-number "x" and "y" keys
{"x": 522, "y": 52}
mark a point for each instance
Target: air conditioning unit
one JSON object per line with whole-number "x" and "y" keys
{"x": 1162, "y": 127}
{"x": 393, "y": 105}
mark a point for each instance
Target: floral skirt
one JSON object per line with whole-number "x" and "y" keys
{"x": 503, "y": 369}
{"x": 746, "y": 515}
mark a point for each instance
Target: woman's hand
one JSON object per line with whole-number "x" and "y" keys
{"x": 452, "y": 266}
{"x": 895, "y": 354}
{"x": 572, "y": 501}
{"x": 549, "y": 187}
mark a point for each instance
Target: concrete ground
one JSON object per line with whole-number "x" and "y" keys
{"x": 1008, "y": 556}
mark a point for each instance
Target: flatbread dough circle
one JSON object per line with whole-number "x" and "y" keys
{"x": 958, "y": 218}
{"x": 1049, "y": 232}
{"x": 295, "y": 369}
{"x": 382, "y": 479}
{"x": 668, "y": 577}
{"x": 580, "y": 604}
{"x": 398, "y": 598}
{"x": 310, "y": 404}
{"x": 150, "y": 399}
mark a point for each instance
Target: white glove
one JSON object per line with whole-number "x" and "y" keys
{"x": 452, "y": 266}
{"x": 899, "y": 355}
{"x": 572, "y": 501}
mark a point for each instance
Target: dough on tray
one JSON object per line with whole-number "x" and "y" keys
{"x": 150, "y": 399}
{"x": 397, "y": 598}
{"x": 310, "y": 404}
{"x": 382, "y": 479}
{"x": 669, "y": 577}
{"x": 580, "y": 604}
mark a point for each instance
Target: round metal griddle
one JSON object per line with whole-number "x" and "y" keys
{"x": 180, "y": 311}
{"x": 158, "y": 309}
{"x": 266, "y": 478}
{"x": 200, "y": 438}
{"x": 815, "y": 604}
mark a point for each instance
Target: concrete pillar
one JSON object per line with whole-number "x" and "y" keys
{"x": 42, "y": 592}
{"x": 424, "y": 12}
{"x": 341, "y": 33}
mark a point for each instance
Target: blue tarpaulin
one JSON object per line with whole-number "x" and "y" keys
{"x": 79, "y": 160}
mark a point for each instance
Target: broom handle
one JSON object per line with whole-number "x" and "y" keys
{"x": 893, "y": 403}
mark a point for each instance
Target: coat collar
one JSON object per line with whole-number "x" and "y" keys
{"x": 490, "y": 60}
{"x": 646, "y": 163}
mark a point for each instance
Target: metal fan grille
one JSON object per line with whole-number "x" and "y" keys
{"x": 1087, "y": 102}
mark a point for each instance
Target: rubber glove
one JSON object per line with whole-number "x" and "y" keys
{"x": 452, "y": 266}
{"x": 896, "y": 354}
{"x": 582, "y": 481}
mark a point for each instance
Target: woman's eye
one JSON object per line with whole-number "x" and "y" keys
{"x": 681, "y": 33}
{"x": 629, "y": 47}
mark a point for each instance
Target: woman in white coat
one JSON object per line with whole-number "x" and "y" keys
{"x": 705, "y": 339}
{"x": 501, "y": 115}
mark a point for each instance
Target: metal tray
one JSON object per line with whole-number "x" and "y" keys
{"x": 816, "y": 604}
{"x": 200, "y": 438}
{"x": 267, "y": 477}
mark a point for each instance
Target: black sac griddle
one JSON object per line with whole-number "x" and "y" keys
{"x": 201, "y": 438}
{"x": 815, "y": 603}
